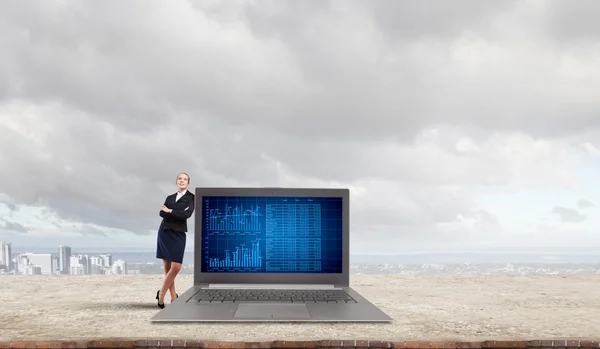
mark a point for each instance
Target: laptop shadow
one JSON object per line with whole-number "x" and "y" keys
{"x": 121, "y": 306}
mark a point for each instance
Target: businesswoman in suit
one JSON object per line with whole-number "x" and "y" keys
{"x": 170, "y": 246}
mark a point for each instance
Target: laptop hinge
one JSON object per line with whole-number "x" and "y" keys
{"x": 276, "y": 286}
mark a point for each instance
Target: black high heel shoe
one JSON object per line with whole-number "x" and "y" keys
{"x": 158, "y": 302}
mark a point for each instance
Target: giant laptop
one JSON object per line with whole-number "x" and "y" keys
{"x": 271, "y": 254}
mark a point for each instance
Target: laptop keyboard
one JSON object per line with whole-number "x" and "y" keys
{"x": 227, "y": 295}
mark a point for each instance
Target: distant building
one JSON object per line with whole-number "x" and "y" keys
{"x": 80, "y": 264}
{"x": 32, "y": 270}
{"x": 119, "y": 267}
{"x": 36, "y": 263}
{"x": 6, "y": 255}
{"x": 64, "y": 259}
{"x": 55, "y": 265}
{"x": 97, "y": 265}
{"x": 107, "y": 258}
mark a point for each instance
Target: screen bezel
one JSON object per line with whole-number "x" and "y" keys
{"x": 341, "y": 279}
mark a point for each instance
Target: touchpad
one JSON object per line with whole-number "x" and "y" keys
{"x": 275, "y": 311}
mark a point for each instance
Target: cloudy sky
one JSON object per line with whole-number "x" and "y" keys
{"x": 458, "y": 126}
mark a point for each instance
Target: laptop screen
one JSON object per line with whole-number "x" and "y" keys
{"x": 271, "y": 234}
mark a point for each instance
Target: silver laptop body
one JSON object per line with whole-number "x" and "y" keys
{"x": 271, "y": 254}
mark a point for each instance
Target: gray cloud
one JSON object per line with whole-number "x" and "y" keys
{"x": 584, "y": 203}
{"x": 91, "y": 175}
{"x": 407, "y": 21}
{"x": 573, "y": 24}
{"x": 485, "y": 222}
{"x": 568, "y": 214}
{"x": 13, "y": 227}
{"x": 143, "y": 71}
{"x": 10, "y": 205}
{"x": 88, "y": 230}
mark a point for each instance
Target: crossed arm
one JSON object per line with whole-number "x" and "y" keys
{"x": 178, "y": 214}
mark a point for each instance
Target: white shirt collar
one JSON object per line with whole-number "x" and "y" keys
{"x": 181, "y": 193}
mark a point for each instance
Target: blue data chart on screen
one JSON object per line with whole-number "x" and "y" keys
{"x": 272, "y": 234}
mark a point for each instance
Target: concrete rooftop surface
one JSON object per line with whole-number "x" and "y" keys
{"x": 424, "y": 307}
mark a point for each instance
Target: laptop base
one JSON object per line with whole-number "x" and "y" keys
{"x": 183, "y": 311}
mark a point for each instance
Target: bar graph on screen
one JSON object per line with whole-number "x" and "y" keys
{"x": 242, "y": 257}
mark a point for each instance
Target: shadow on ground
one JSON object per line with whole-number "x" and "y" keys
{"x": 120, "y": 305}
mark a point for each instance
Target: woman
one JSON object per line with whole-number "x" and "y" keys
{"x": 178, "y": 207}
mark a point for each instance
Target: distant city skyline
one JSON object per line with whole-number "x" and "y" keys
{"x": 130, "y": 262}
{"x": 56, "y": 250}
{"x": 61, "y": 261}
{"x": 96, "y": 247}
{"x": 99, "y": 248}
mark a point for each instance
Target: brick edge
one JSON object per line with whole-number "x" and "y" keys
{"x": 359, "y": 344}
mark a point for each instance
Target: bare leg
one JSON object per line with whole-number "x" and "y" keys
{"x": 169, "y": 280}
{"x": 167, "y": 265}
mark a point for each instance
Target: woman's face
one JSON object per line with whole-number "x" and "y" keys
{"x": 182, "y": 182}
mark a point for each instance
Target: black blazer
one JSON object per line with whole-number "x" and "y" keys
{"x": 182, "y": 210}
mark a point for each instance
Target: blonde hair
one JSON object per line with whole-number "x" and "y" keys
{"x": 187, "y": 175}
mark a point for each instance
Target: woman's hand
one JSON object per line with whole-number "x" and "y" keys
{"x": 166, "y": 209}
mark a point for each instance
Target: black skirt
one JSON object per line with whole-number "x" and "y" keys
{"x": 170, "y": 245}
